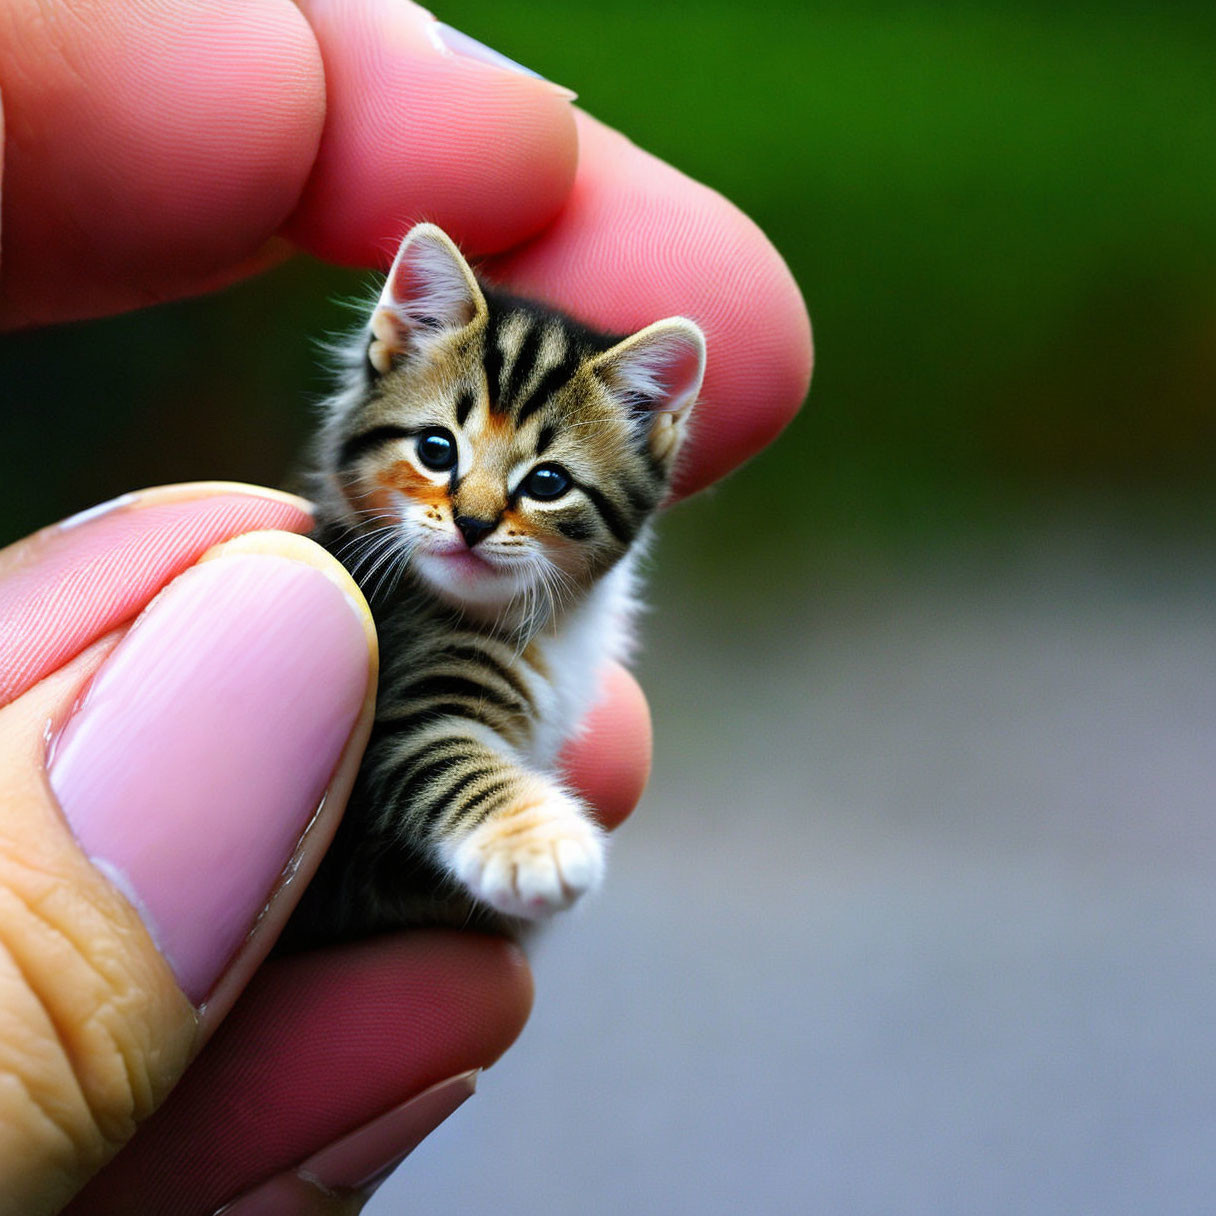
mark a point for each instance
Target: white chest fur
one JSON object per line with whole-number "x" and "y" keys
{"x": 574, "y": 652}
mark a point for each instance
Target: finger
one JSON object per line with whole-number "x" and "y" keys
{"x": 639, "y": 241}
{"x": 423, "y": 124}
{"x": 322, "y": 1046}
{"x": 144, "y": 852}
{"x": 608, "y": 762}
{"x": 150, "y": 145}
{"x": 155, "y": 148}
{"x": 66, "y": 586}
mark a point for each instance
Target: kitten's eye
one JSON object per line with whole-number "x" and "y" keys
{"x": 547, "y": 481}
{"x": 437, "y": 449}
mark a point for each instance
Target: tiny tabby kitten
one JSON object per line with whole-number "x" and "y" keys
{"x": 485, "y": 473}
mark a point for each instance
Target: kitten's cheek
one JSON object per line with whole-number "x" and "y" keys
{"x": 609, "y": 762}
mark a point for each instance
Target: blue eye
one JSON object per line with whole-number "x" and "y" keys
{"x": 437, "y": 449}
{"x": 547, "y": 481}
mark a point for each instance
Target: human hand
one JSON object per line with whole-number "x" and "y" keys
{"x": 274, "y": 121}
{"x": 188, "y": 773}
{"x": 160, "y": 149}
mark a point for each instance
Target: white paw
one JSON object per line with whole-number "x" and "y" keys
{"x": 532, "y": 859}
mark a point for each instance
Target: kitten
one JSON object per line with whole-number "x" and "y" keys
{"x": 486, "y": 473}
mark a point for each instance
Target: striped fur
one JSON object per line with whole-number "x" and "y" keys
{"x": 497, "y": 602}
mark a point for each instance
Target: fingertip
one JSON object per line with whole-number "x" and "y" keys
{"x": 609, "y": 761}
{"x": 279, "y": 542}
{"x": 416, "y": 131}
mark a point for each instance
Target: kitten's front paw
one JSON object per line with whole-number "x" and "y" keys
{"x": 534, "y": 858}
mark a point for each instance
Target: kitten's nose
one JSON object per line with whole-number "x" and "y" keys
{"x": 474, "y": 529}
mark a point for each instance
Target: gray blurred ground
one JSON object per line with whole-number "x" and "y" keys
{"x": 919, "y": 915}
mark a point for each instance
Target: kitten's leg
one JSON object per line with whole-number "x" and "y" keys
{"x": 515, "y": 839}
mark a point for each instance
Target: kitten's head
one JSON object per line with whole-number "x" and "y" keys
{"x": 501, "y": 446}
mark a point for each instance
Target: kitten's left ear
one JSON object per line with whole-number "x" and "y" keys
{"x": 429, "y": 288}
{"x": 658, "y": 372}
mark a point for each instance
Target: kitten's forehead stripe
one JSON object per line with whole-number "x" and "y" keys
{"x": 509, "y": 335}
{"x": 523, "y": 365}
{"x": 555, "y": 348}
{"x": 464, "y": 406}
{"x": 549, "y": 383}
{"x": 493, "y": 358}
{"x": 551, "y": 365}
{"x": 530, "y": 351}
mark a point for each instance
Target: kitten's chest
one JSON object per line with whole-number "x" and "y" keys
{"x": 598, "y": 631}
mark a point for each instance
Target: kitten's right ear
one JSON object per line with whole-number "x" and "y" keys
{"x": 429, "y": 288}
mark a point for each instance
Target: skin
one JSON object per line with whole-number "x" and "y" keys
{"x": 160, "y": 148}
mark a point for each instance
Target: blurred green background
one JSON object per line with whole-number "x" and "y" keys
{"x": 917, "y": 915}
{"x": 1001, "y": 215}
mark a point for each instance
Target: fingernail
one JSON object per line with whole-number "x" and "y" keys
{"x": 452, "y": 42}
{"x": 96, "y": 512}
{"x": 201, "y": 750}
{"x": 343, "y": 1176}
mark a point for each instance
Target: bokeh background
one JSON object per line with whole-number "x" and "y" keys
{"x": 919, "y": 915}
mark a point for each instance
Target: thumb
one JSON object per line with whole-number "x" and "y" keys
{"x": 160, "y": 791}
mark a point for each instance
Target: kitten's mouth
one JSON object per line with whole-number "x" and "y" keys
{"x": 468, "y": 578}
{"x": 462, "y": 560}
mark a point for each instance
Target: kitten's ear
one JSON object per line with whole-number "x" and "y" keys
{"x": 429, "y": 288}
{"x": 658, "y": 372}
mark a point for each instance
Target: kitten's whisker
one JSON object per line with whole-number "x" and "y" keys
{"x": 408, "y": 548}
{"x": 557, "y": 586}
{"x": 363, "y": 550}
{"x": 400, "y": 550}
{"x": 356, "y": 534}
{"x": 354, "y": 548}
{"x": 373, "y": 554}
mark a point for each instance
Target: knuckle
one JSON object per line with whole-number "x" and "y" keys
{"x": 92, "y": 1028}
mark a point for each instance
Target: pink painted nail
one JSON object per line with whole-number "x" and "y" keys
{"x": 342, "y": 1177}
{"x": 202, "y": 748}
